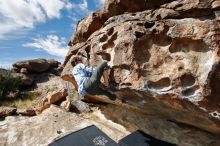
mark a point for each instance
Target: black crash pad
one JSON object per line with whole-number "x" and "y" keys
{"x": 139, "y": 138}
{"x": 89, "y": 136}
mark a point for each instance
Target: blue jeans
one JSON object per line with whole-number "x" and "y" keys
{"x": 92, "y": 84}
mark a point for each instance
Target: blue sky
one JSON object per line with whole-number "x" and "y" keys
{"x": 39, "y": 28}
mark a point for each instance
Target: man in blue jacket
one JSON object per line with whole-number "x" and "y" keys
{"x": 88, "y": 79}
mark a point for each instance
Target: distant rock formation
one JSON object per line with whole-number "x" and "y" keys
{"x": 40, "y": 76}
{"x": 37, "y": 66}
{"x": 165, "y": 58}
{"x": 28, "y": 70}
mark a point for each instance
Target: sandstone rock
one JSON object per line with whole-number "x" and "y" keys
{"x": 26, "y": 112}
{"x": 164, "y": 55}
{"x": 95, "y": 20}
{"x": 53, "y": 63}
{"x": 75, "y": 105}
{"x": 56, "y": 96}
{"x": 7, "y": 111}
{"x": 35, "y": 65}
{"x": 79, "y": 106}
{"x": 51, "y": 98}
{"x": 38, "y": 66}
{"x": 65, "y": 105}
{"x": 52, "y": 124}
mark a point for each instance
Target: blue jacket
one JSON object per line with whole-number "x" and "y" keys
{"x": 81, "y": 73}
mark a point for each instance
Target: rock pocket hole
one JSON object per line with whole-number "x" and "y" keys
{"x": 190, "y": 92}
{"x": 160, "y": 84}
{"x": 140, "y": 24}
{"x": 162, "y": 40}
{"x": 110, "y": 31}
{"x": 139, "y": 34}
{"x": 88, "y": 49}
{"x": 187, "y": 80}
{"x": 126, "y": 84}
{"x": 215, "y": 114}
{"x": 114, "y": 37}
{"x": 159, "y": 17}
{"x": 148, "y": 25}
{"x": 215, "y": 81}
{"x": 105, "y": 56}
{"x": 74, "y": 52}
{"x": 108, "y": 45}
{"x": 180, "y": 68}
{"x": 173, "y": 48}
{"x": 103, "y": 38}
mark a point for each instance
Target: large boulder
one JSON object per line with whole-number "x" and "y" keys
{"x": 35, "y": 66}
{"x": 36, "y": 70}
{"x": 164, "y": 57}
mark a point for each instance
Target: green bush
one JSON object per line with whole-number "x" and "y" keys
{"x": 8, "y": 83}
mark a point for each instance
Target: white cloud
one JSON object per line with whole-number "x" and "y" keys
{"x": 99, "y": 3}
{"x": 52, "y": 44}
{"x": 52, "y": 7}
{"x": 81, "y": 6}
{"x": 17, "y": 15}
{"x": 79, "y": 10}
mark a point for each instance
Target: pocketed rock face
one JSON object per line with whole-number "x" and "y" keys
{"x": 165, "y": 57}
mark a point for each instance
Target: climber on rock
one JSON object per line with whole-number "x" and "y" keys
{"x": 88, "y": 79}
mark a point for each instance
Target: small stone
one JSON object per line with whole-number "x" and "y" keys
{"x": 80, "y": 106}
{"x": 65, "y": 105}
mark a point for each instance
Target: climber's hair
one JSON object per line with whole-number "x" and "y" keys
{"x": 76, "y": 60}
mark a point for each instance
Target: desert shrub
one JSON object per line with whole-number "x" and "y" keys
{"x": 8, "y": 83}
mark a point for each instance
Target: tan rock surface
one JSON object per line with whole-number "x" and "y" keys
{"x": 165, "y": 58}
{"x": 51, "y": 98}
{"x": 51, "y": 89}
{"x": 41, "y": 130}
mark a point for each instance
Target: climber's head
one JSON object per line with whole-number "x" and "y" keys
{"x": 76, "y": 60}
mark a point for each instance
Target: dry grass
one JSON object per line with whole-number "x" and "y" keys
{"x": 23, "y": 102}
